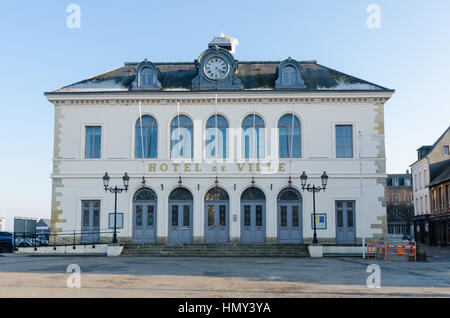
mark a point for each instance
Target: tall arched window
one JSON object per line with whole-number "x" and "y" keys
{"x": 146, "y": 137}
{"x": 216, "y": 137}
{"x": 146, "y": 77}
{"x": 289, "y": 141}
{"x": 181, "y": 141}
{"x": 253, "y": 137}
{"x": 289, "y": 74}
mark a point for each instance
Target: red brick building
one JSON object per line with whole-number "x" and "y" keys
{"x": 400, "y": 206}
{"x": 439, "y": 220}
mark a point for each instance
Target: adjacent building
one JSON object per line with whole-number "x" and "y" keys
{"x": 214, "y": 149}
{"x": 43, "y": 228}
{"x": 429, "y": 174}
{"x": 400, "y": 206}
{"x": 440, "y": 208}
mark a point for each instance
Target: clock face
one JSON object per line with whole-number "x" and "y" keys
{"x": 216, "y": 68}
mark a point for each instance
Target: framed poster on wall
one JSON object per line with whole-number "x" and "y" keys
{"x": 119, "y": 221}
{"x": 321, "y": 221}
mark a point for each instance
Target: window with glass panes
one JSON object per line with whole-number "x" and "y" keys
{"x": 146, "y": 145}
{"x": 216, "y": 137}
{"x": 289, "y": 75}
{"x": 289, "y": 137}
{"x": 344, "y": 141}
{"x": 253, "y": 137}
{"x": 93, "y": 142}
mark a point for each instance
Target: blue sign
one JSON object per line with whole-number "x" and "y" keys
{"x": 321, "y": 221}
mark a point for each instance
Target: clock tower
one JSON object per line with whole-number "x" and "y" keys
{"x": 216, "y": 68}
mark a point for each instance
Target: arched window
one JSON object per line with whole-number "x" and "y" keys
{"x": 289, "y": 74}
{"x": 216, "y": 146}
{"x": 180, "y": 194}
{"x": 252, "y": 194}
{"x": 289, "y": 194}
{"x": 253, "y": 137}
{"x": 146, "y": 77}
{"x": 146, "y": 145}
{"x": 181, "y": 141}
{"x": 216, "y": 194}
{"x": 289, "y": 141}
{"x": 145, "y": 194}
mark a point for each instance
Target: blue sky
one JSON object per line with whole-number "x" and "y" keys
{"x": 409, "y": 53}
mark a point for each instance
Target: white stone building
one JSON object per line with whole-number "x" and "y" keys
{"x": 241, "y": 192}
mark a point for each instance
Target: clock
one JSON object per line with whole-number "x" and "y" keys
{"x": 216, "y": 68}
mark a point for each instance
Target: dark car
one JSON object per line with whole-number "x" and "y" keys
{"x": 6, "y": 242}
{"x": 408, "y": 237}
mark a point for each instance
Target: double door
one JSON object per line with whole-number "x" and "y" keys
{"x": 144, "y": 222}
{"x": 216, "y": 222}
{"x": 290, "y": 228}
{"x": 180, "y": 222}
{"x": 90, "y": 221}
{"x": 253, "y": 222}
{"x": 345, "y": 222}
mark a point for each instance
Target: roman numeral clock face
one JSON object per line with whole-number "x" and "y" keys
{"x": 216, "y": 68}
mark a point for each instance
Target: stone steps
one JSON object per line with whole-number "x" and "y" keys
{"x": 220, "y": 249}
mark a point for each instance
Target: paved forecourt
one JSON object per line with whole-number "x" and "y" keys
{"x": 25, "y": 276}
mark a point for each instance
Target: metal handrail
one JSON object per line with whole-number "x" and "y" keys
{"x": 66, "y": 238}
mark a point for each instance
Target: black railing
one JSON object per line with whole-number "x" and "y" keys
{"x": 67, "y": 238}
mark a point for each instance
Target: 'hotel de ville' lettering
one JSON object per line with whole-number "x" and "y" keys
{"x": 266, "y": 167}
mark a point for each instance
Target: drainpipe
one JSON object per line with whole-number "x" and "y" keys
{"x": 361, "y": 198}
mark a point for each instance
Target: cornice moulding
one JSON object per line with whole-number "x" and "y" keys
{"x": 222, "y": 98}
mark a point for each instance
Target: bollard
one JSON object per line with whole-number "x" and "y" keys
{"x": 421, "y": 253}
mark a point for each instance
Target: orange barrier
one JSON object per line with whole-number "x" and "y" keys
{"x": 387, "y": 248}
{"x": 371, "y": 248}
{"x": 399, "y": 248}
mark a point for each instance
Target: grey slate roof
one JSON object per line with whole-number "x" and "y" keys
{"x": 444, "y": 173}
{"x": 253, "y": 75}
{"x": 430, "y": 148}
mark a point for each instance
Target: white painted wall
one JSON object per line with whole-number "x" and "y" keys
{"x": 82, "y": 178}
{"x": 421, "y": 177}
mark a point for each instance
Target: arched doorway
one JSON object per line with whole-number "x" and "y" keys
{"x": 180, "y": 216}
{"x": 253, "y": 216}
{"x": 217, "y": 207}
{"x": 144, "y": 216}
{"x": 290, "y": 216}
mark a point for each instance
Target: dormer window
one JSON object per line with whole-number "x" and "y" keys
{"x": 289, "y": 75}
{"x": 146, "y": 76}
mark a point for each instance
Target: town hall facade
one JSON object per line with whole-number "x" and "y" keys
{"x": 214, "y": 150}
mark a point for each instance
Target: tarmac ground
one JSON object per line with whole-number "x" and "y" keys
{"x": 51, "y": 276}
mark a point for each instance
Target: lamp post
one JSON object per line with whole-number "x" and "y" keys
{"x": 115, "y": 190}
{"x": 314, "y": 189}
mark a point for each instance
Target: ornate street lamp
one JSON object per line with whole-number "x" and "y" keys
{"x": 314, "y": 189}
{"x": 115, "y": 190}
